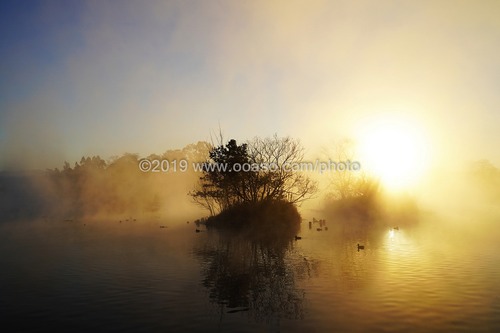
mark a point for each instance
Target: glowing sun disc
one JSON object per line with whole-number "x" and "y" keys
{"x": 395, "y": 151}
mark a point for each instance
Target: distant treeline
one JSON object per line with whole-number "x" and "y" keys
{"x": 94, "y": 187}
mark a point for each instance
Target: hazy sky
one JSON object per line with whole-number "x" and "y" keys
{"x": 108, "y": 77}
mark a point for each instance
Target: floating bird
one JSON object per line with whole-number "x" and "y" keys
{"x": 396, "y": 228}
{"x": 198, "y": 230}
{"x": 298, "y": 237}
{"x": 319, "y": 229}
{"x": 163, "y": 226}
{"x": 326, "y": 228}
{"x": 361, "y": 247}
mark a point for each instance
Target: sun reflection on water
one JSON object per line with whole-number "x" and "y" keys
{"x": 391, "y": 234}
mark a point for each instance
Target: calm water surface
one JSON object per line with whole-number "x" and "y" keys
{"x": 136, "y": 277}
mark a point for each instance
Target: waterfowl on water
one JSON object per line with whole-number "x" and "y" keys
{"x": 396, "y": 228}
{"x": 198, "y": 230}
{"x": 319, "y": 229}
{"x": 361, "y": 247}
{"x": 298, "y": 237}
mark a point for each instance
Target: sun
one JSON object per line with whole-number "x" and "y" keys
{"x": 394, "y": 150}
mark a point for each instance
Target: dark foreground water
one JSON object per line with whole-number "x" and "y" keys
{"x": 106, "y": 276}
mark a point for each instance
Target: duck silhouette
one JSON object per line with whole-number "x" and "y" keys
{"x": 298, "y": 237}
{"x": 361, "y": 247}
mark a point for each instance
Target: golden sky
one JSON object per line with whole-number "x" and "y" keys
{"x": 108, "y": 77}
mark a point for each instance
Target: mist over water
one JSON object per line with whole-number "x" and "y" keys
{"x": 134, "y": 271}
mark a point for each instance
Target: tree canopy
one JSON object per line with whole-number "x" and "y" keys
{"x": 252, "y": 172}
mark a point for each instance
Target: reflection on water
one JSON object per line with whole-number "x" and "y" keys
{"x": 106, "y": 276}
{"x": 246, "y": 275}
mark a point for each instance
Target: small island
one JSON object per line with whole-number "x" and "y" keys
{"x": 254, "y": 187}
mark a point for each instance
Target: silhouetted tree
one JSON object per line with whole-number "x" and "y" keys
{"x": 280, "y": 178}
{"x": 252, "y": 172}
{"x": 347, "y": 184}
{"x": 223, "y": 183}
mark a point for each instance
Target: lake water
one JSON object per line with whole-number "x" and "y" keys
{"x": 137, "y": 277}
